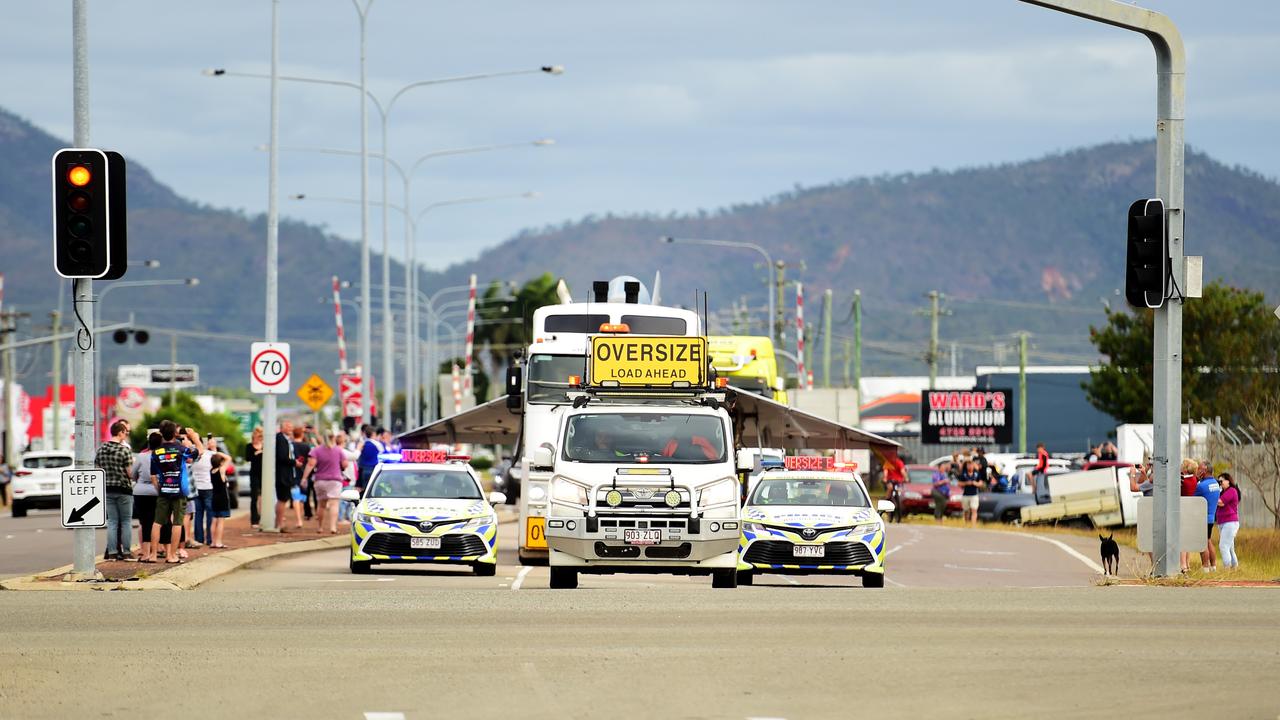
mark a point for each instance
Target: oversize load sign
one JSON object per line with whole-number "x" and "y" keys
{"x": 631, "y": 361}
{"x": 966, "y": 416}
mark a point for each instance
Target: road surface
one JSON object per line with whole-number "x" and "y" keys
{"x": 36, "y": 542}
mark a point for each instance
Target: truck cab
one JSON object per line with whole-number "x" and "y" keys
{"x": 749, "y": 362}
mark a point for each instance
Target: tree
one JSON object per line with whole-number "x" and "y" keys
{"x": 506, "y": 325}
{"x": 1252, "y": 454}
{"x": 187, "y": 412}
{"x": 1231, "y": 357}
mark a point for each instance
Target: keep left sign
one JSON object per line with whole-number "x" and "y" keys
{"x": 82, "y": 495}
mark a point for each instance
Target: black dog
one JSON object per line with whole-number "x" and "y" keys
{"x": 1110, "y": 555}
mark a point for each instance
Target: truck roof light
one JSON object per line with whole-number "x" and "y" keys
{"x": 615, "y": 328}
{"x": 722, "y": 382}
{"x": 575, "y": 380}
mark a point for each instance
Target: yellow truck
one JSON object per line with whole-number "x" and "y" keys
{"x": 749, "y": 363}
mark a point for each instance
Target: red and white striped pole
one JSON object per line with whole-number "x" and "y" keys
{"x": 457, "y": 390}
{"x": 337, "y": 319}
{"x": 805, "y": 380}
{"x": 471, "y": 337}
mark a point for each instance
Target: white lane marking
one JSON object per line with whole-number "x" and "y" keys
{"x": 1068, "y": 550}
{"x": 988, "y": 552}
{"x": 363, "y": 580}
{"x": 978, "y": 569}
{"x": 375, "y": 715}
{"x": 502, "y": 584}
{"x": 894, "y": 549}
{"x": 520, "y": 576}
{"x": 894, "y": 583}
{"x": 788, "y": 579}
{"x": 8, "y": 537}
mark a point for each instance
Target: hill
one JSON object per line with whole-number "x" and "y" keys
{"x": 1027, "y": 246}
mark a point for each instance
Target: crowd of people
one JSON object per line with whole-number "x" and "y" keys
{"x": 1222, "y": 496}
{"x": 178, "y": 487}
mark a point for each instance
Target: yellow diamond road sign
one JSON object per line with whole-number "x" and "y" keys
{"x": 315, "y": 392}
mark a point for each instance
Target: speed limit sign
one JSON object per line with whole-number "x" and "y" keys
{"x": 269, "y": 368}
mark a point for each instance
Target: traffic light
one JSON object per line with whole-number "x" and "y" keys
{"x": 1147, "y": 260}
{"x": 89, "y": 229}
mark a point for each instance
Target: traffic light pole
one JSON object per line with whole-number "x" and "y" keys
{"x": 1167, "y": 354}
{"x": 84, "y": 542}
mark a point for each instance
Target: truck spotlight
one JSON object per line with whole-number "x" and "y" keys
{"x": 672, "y": 498}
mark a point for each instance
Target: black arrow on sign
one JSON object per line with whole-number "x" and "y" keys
{"x": 78, "y": 514}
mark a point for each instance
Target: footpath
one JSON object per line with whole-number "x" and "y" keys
{"x": 245, "y": 545}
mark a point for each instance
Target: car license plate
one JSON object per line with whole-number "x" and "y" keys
{"x": 642, "y": 537}
{"x": 424, "y": 543}
{"x": 48, "y": 486}
{"x": 809, "y": 551}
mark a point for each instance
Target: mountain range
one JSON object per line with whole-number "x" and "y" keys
{"x": 1034, "y": 246}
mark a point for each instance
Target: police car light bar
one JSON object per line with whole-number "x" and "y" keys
{"x": 809, "y": 462}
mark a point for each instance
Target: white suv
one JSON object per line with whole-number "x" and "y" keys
{"x": 37, "y": 482}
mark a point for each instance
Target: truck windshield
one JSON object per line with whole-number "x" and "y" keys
{"x": 645, "y": 437}
{"x": 808, "y": 491}
{"x": 549, "y": 377}
{"x": 439, "y": 484}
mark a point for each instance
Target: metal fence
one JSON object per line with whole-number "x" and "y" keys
{"x": 1252, "y": 456}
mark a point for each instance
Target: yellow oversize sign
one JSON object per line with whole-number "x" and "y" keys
{"x": 633, "y": 361}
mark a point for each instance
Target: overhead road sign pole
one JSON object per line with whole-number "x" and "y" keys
{"x": 1171, "y": 67}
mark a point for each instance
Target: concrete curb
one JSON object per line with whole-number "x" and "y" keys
{"x": 197, "y": 572}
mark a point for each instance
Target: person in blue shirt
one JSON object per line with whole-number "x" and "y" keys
{"x": 169, "y": 476}
{"x": 368, "y": 459}
{"x": 1208, "y": 488}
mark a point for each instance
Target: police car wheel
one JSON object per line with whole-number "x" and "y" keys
{"x": 873, "y": 580}
{"x": 724, "y": 578}
{"x": 564, "y": 578}
{"x": 484, "y": 569}
{"x": 361, "y": 567}
{"x": 745, "y": 577}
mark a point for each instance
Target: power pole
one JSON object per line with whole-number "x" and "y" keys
{"x": 858, "y": 340}
{"x": 779, "y": 273}
{"x": 1022, "y": 392}
{"x": 57, "y": 382}
{"x": 173, "y": 370}
{"x": 826, "y": 338}
{"x": 934, "y": 311}
{"x": 9, "y": 327}
{"x": 848, "y": 358}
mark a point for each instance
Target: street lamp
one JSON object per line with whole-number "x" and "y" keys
{"x": 773, "y": 269}
{"x": 384, "y": 111}
{"x": 144, "y": 263}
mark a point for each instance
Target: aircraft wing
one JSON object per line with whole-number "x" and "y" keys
{"x": 488, "y": 424}
{"x": 764, "y": 422}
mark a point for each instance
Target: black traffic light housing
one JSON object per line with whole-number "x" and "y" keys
{"x": 89, "y": 226}
{"x": 1147, "y": 260}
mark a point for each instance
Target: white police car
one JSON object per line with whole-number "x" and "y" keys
{"x": 800, "y": 522}
{"x": 423, "y": 506}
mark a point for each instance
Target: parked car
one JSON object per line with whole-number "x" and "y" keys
{"x": 37, "y": 481}
{"x": 1007, "y": 506}
{"x": 917, "y": 492}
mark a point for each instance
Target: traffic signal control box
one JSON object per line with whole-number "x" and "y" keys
{"x": 90, "y": 238}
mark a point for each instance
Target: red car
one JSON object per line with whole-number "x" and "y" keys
{"x": 917, "y": 492}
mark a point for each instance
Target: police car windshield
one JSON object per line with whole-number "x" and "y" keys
{"x": 801, "y": 491}
{"x": 435, "y": 484}
{"x": 549, "y": 377}
{"x": 645, "y": 437}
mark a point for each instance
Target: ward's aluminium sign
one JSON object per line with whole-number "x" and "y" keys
{"x": 966, "y": 416}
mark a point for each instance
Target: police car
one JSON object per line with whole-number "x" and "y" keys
{"x": 424, "y": 506}
{"x": 800, "y": 522}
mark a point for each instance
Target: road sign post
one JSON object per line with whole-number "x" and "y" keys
{"x": 269, "y": 375}
{"x": 83, "y": 491}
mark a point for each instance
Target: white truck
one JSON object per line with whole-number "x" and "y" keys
{"x": 644, "y": 477}
{"x": 1102, "y": 495}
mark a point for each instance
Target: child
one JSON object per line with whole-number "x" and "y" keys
{"x": 221, "y": 501}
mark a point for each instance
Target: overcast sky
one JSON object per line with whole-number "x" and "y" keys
{"x": 664, "y": 105}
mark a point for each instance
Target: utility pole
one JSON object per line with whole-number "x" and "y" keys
{"x": 826, "y": 338}
{"x": 954, "y": 360}
{"x": 934, "y": 311}
{"x": 268, "y": 494}
{"x": 779, "y": 273}
{"x": 857, "y": 341}
{"x": 173, "y": 369}
{"x": 1171, "y": 68}
{"x": 86, "y": 435}
{"x": 1022, "y": 392}
{"x": 57, "y": 382}
{"x": 848, "y": 358}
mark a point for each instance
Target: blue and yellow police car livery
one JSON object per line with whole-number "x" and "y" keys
{"x": 805, "y": 522}
{"x": 424, "y": 512}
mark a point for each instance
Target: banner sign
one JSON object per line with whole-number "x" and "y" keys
{"x": 966, "y": 416}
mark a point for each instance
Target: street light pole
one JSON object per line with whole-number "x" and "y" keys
{"x": 366, "y": 358}
{"x": 267, "y": 492}
{"x": 773, "y": 269}
{"x": 1171, "y": 67}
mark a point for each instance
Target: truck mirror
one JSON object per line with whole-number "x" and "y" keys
{"x": 885, "y": 506}
{"x": 543, "y": 457}
{"x": 515, "y": 380}
{"x": 746, "y": 461}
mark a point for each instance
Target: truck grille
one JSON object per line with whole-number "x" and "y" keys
{"x": 779, "y": 552}
{"x": 673, "y": 552}
{"x": 617, "y": 551}
{"x": 398, "y": 544}
{"x": 612, "y": 523}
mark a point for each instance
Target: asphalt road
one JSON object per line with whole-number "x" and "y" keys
{"x": 36, "y": 542}
{"x": 997, "y": 635}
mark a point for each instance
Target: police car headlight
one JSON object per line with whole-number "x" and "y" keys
{"x": 366, "y": 518}
{"x": 718, "y": 492}
{"x": 537, "y": 493}
{"x": 566, "y": 490}
{"x": 475, "y": 522}
{"x": 866, "y": 528}
{"x": 752, "y": 527}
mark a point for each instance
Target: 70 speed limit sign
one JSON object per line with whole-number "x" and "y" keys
{"x": 269, "y": 368}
